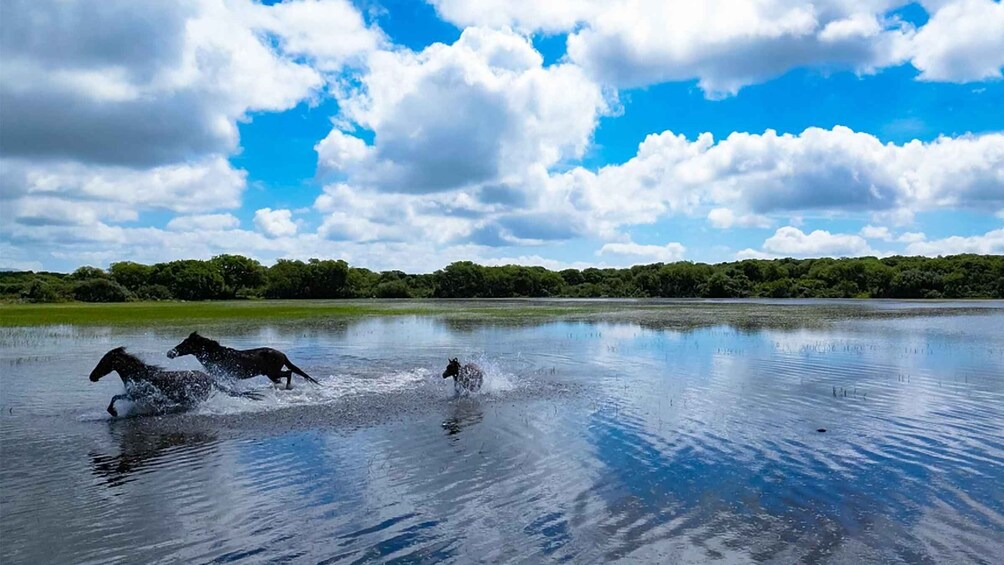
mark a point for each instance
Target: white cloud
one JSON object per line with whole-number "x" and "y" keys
{"x": 962, "y": 42}
{"x": 481, "y": 111}
{"x": 724, "y": 218}
{"x": 68, "y": 246}
{"x": 661, "y": 253}
{"x": 991, "y": 243}
{"x": 728, "y": 44}
{"x": 352, "y": 214}
{"x": 275, "y": 223}
{"x": 876, "y": 232}
{"x": 753, "y": 175}
{"x": 71, "y": 192}
{"x": 527, "y": 15}
{"x": 204, "y": 222}
{"x": 163, "y": 81}
{"x": 911, "y": 237}
{"x": 724, "y": 44}
{"x": 793, "y": 242}
{"x": 117, "y": 107}
{"x": 331, "y": 33}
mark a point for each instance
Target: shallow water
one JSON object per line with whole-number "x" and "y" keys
{"x": 621, "y": 437}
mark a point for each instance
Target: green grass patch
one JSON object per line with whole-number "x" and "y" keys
{"x": 146, "y": 313}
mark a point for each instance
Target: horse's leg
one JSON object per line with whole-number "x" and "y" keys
{"x": 111, "y": 405}
{"x": 277, "y": 378}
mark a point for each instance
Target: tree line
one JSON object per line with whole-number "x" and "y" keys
{"x": 227, "y": 277}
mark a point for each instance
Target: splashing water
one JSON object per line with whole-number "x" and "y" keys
{"x": 332, "y": 389}
{"x": 497, "y": 376}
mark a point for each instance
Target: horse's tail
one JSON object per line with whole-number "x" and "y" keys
{"x": 299, "y": 371}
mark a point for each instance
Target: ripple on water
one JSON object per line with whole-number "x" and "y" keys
{"x": 590, "y": 442}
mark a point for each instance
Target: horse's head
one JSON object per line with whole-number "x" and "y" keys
{"x": 453, "y": 369}
{"x": 194, "y": 343}
{"x": 110, "y": 362}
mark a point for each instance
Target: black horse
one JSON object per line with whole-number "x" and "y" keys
{"x": 179, "y": 388}
{"x": 224, "y": 361}
{"x": 468, "y": 377}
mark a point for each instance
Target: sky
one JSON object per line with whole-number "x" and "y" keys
{"x": 402, "y": 134}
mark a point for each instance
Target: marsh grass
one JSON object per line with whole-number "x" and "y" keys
{"x": 651, "y": 314}
{"x": 146, "y": 313}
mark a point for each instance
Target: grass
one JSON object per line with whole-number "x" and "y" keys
{"x": 654, "y": 314}
{"x": 146, "y": 313}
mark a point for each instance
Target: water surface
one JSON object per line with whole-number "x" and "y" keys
{"x": 658, "y": 435}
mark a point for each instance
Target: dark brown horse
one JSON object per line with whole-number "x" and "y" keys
{"x": 468, "y": 377}
{"x": 179, "y": 388}
{"x": 224, "y": 361}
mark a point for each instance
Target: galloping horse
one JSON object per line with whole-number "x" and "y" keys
{"x": 224, "y": 361}
{"x": 182, "y": 388}
{"x": 468, "y": 377}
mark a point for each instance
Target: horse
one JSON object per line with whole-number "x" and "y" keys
{"x": 183, "y": 388}
{"x": 468, "y": 377}
{"x": 223, "y": 361}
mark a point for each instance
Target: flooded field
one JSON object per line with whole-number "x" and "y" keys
{"x": 838, "y": 432}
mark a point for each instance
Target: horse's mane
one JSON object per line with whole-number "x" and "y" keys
{"x": 136, "y": 360}
{"x": 208, "y": 340}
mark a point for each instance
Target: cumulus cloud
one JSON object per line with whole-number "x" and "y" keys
{"x": 991, "y": 242}
{"x": 145, "y": 84}
{"x": 756, "y": 175}
{"x": 911, "y": 237}
{"x": 116, "y": 107}
{"x": 275, "y": 223}
{"x": 661, "y": 253}
{"x": 68, "y": 246}
{"x": 793, "y": 242}
{"x": 744, "y": 180}
{"x": 71, "y": 192}
{"x": 525, "y": 15}
{"x": 962, "y": 42}
{"x": 876, "y": 232}
{"x": 330, "y": 33}
{"x": 481, "y": 111}
{"x": 351, "y": 214}
{"x": 728, "y": 44}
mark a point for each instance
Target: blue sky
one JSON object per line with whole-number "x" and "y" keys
{"x": 405, "y": 134}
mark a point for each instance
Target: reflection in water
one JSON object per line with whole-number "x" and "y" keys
{"x": 464, "y": 412}
{"x": 650, "y": 438}
{"x": 141, "y": 445}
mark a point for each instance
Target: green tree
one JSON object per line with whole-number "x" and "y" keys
{"x": 100, "y": 290}
{"x": 84, "y": 273}
{"x": 462, "y": 279}
{"x": 288, "y": 279}
{"x": 239, "y": 273}
{"x": 190, "y": 279}
{"x": 360, "y": 283}
{"x": 397, "y": 288}
{"x": 682, "y": 280}
{"x": 131, "y": 275}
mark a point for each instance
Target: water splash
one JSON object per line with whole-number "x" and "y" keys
{"x": 332, "y": 389}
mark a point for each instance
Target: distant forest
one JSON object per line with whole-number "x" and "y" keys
{"x": 228, "y": 277}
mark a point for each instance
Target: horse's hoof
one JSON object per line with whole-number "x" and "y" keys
{"x": 113, "y": 412}
{"x": 289, "y": 387}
